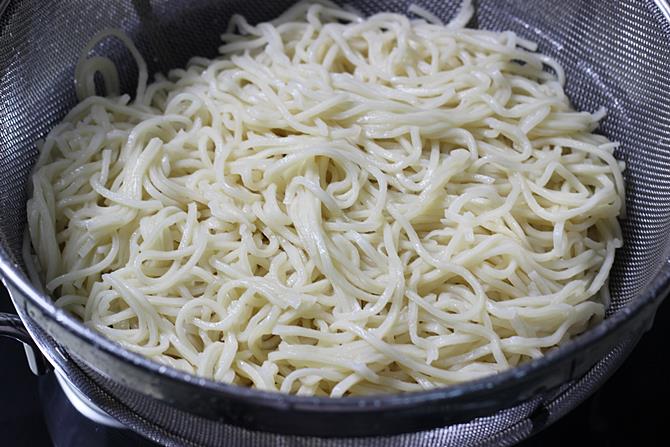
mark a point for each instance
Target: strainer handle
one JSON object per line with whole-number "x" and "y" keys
{"x": 11, "y": 326}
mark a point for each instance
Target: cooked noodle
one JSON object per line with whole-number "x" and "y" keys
{"x": 336, "y": 205}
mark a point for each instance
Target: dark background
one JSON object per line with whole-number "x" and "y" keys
{"x": 630, "y": 409}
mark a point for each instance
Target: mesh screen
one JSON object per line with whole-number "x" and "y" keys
{"x": 615, "y": 54}
{"x": 163, "y": 423}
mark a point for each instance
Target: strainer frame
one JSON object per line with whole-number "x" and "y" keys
{"x": 321, "y": 416}
{"x": 356, "y": 415}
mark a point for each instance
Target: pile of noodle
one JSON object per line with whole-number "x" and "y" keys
{"x": 335, "y": 205}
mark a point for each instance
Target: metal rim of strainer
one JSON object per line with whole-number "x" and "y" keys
{"x": 638, "y": 313}
{"x": 635, "y": 316}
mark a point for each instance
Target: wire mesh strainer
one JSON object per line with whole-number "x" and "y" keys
{"x": 615, "y": 54}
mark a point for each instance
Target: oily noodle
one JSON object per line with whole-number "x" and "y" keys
{"x": 336, "y": 205}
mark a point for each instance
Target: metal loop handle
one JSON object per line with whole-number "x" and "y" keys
{"x": 11, "y": 326}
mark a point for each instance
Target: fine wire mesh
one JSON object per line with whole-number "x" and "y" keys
{"x": 162, "y": 423}
{"x": 615, "y": 54}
